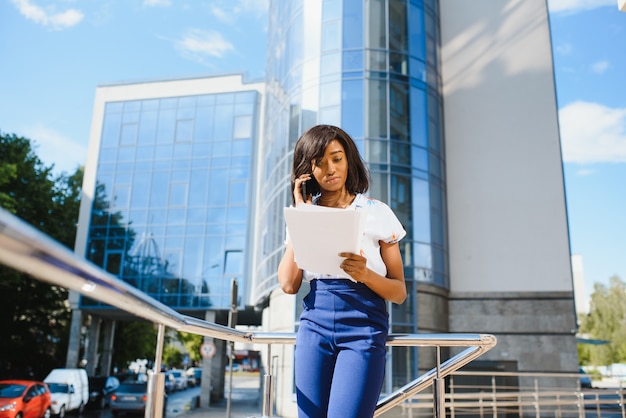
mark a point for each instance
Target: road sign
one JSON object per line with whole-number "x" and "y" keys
{"x": 207, "y": 349}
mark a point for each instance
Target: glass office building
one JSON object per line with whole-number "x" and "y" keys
{"x": 171, "y": 213}
{"x": 370, "y": 67}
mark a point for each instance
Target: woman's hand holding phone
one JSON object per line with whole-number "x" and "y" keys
{"x": 300, "y": 191}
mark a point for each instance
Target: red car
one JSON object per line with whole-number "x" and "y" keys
{"x": 24, "y": 399}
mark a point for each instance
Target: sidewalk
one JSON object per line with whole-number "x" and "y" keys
{"x": 246, "y": 402}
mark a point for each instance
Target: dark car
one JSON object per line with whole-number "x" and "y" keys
{"x": 24, "y": 398}
{"x": 585, "y": 379}
{"x": 131, "y": 397}
{"x": 100, "y": 390}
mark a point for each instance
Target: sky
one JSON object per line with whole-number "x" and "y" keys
{"x": 55, "y": 53}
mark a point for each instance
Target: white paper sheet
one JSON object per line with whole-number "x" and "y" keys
{"x": 318, "y": 234}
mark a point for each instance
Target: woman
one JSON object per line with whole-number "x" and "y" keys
{"x": 340, "y": 345}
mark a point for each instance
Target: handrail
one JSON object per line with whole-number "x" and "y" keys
{"x": 28, "y": 250}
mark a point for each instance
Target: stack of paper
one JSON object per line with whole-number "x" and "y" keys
{"x": 318, "y": 234}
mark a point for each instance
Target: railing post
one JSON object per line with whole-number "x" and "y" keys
{"x": 268, "y": 388}
{"x": 232, "y": 322}
{"x": 537, "y": 409}
{"x": 451, "y": 396}
{"x": 494, "y": 396}
{"x": 439, "y": 389}
{"x": 156, "y": 380}
{"x": 621, "y": 398}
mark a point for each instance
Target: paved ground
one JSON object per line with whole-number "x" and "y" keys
{"x": 247, "y": 403}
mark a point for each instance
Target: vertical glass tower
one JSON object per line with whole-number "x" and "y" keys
{"x": 371, "y": 67}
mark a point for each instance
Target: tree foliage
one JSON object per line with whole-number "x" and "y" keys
{"x": 606, "y": 321}
{"x": 192, "y": 343}
{"x": 134, "y": 340}
{"x": 34, "y": 315}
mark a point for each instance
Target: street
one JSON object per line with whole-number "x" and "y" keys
{"x": 177, "y": 404}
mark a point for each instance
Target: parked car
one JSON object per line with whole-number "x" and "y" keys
{"x": 193, "y": 376}
{"x": 131, "y": 397}
{"x": 180, "y": 378}
{"x": 69, "y": 390}
{"x": 585, "y": 379}
{"x": 24, "y": 398}
{"x": 100, "y": 390}
{"x": 170, "y": 383}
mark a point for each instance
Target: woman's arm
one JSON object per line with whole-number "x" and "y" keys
{"x": 391, "y": 287}
{"x": 289, "y": 274}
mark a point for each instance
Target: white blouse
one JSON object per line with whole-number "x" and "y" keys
{"x": 381, "y": 224}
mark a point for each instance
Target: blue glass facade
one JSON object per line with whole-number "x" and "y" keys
{"x": 173, "y": 196}
{"x": 371, "y": 67}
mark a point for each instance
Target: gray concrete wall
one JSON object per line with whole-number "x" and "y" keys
{"x": 536, "y": 330}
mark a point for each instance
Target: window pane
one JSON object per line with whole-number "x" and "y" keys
{"x": 377, "y": 114}
{"x": 243, "y": 127}
{"x": 376, "y": 18}
{"x": 352, "y": 107}
{"x": 352, "y": 24}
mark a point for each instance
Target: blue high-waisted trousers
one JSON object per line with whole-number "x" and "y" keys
{"x": 340, "y": 350}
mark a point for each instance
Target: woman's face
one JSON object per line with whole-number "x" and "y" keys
{"x": 331, "y": 171}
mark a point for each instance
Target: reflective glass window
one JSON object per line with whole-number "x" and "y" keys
{"x": 352, "y": 24}
{"x": 421, "y": 210}
{"x": 352, "y": 105}
{"x": 330, "y": 36}
{"x": 330, "y": 94}
{"x": 203, "y": 128}
{"x": 184, "y": 130}
{"x": 377, "y": 151}
{"x": 223, "y": 129}
{"x": 398, "y": 26}
{"x": 377, "y": 112}
{"x": 243, "y": 127}
{"x": 419, "y": 117}
{"x": 166, "y": 126}
{"x": 111, "y": 130}
{"x": 331, "y": 10}
{"x": 352, "y": 61}
{"x": 129, "y": 134}
{"x": 376, "y": 24}
{"x": 416, "y": 32}
{"x": 141, "y": 186}
{"x": 399, "y": 111}
{"x": 237, "y": 193}
{"x": 330, "y": 63}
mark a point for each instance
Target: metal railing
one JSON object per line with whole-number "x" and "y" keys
{"x": 26, "y": 249}
{"x": 522, "y": 394}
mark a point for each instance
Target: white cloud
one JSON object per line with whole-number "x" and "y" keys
{"x": 600, "y": 67}
{"x": 202, "y": 43}
{"x": 53, "y": 147}
{"x": 575, "y": 6}
{"x": 564, "y": 49}
{"x": 592, "y": 133}
{"x": 228, "y": 11}
{"x": 161, "y": 3}
{"x": 48, "y": 17}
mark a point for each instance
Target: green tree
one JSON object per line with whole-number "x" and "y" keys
{"x": 172, "y": 357}
{"x": 34, "y": 315}
{"x": 192, "y": 343}
{"x": 607, "y": 321}
{"x": 134, "y": 340}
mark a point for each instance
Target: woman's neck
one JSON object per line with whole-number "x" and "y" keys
{"x": 341, "y": 199}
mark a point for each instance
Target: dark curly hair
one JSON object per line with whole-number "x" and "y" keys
{"x": 311, "y": 147}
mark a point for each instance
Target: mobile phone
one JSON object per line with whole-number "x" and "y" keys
{"x": 304, "y": 190}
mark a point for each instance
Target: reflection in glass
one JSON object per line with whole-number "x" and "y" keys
{"x": 173, "y": 188}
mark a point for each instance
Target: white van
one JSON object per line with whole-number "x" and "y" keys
{"x": 69, "y": 390}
